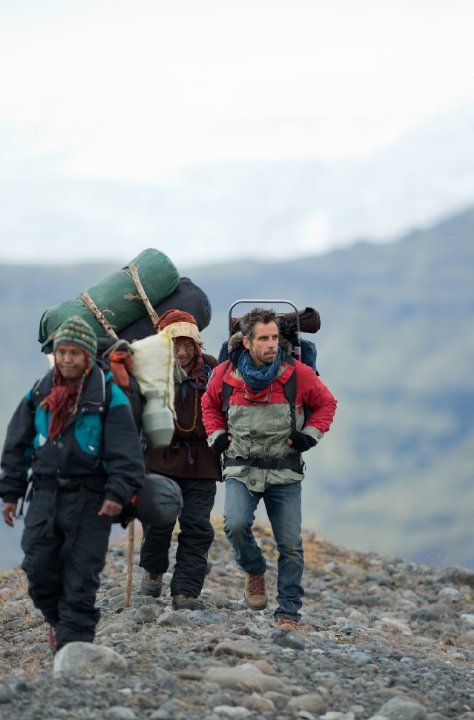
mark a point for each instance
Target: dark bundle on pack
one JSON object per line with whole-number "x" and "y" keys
{"x": 187, "y": 296}
{"x": 310, "y": 322}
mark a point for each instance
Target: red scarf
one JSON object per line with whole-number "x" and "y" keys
{"x": 196, "y": 371}
{"x": 62, "y": 402}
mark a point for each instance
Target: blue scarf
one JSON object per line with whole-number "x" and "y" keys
{"x": 258, "y": 378}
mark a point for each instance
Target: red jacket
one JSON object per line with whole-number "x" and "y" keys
{"x": 260, "y": 423}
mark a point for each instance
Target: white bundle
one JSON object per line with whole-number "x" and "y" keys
{"x": 153, "y": 365}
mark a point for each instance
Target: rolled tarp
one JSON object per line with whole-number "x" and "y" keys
{"x": 187, "y": 296}
{"x": 116, "y": 297}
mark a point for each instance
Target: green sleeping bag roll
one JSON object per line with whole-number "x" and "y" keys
{"x": 116, "y": 296}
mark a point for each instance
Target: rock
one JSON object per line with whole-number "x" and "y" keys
{"x": 169, "y": 710}
{"x": 467, "y": 618}
{"x": 245, "y": 679}
{"x": 357, "y": 710}
{"x": 219, "y": 698}
{"x": 265, "y": 667}
{"x": 358, "y": 618}
{"x": 117, "y": 602}
{"x": 144, "y": 614}
{"x": 278, "y": 699}
{"x": 116, "y": 627}
{"x": 450, "y": 593}
{"x": 400, "y": 708}
{"x": 237, "y": 648}
{"x": 294, "y": 640}
{"x": 140, "y": 600}
{"x": 332, "y": 715}
{"x": 258, "y": 703}
{"x": 361, "y": 658}
{"x": 228, "y": 711}
{"x": 312, "y": 702}
{"x": 6, "y": 694}
{"x": 80, "y": 658}
{"x": 119, "y": 713}
{"x": 174, "y": 618}
{"x": 467, "y": 639}
{"x": 393, "y": 626}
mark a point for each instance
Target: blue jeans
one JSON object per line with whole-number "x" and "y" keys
{"x": 283, "y": 506}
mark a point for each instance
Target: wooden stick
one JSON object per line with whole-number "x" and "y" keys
{"x": 131, "y": 547}
{"x": 141, "y": 291}
{"x": 99, "y": 315}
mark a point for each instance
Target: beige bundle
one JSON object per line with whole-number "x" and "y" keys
{"x": 153, "y": 366}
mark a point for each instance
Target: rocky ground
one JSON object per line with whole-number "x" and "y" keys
{"x": 381, "y": 638}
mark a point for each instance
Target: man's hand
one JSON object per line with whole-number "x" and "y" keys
{"x": 9, "y": 513}
{"x": 301, "y": 441}
{"x": 220, "y": 444}
{"x": 110, "y": 508}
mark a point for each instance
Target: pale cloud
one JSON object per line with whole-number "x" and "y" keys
{"x": 140, "y": 91}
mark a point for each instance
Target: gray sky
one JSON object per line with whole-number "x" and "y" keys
{"x": 143, "y": 92}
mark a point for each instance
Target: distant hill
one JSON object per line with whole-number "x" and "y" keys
{"x": 396, "y": 347}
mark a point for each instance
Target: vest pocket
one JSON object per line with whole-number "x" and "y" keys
{"x": 88, "y": 433}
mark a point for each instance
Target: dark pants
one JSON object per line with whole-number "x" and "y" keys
{"x": 64, "y": 589}
{"x": 194, "y": 540}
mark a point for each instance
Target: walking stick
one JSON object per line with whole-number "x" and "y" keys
{"x": 128, "y": 581}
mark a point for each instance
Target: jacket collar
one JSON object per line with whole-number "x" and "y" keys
{"x": 233, "y": 376}
{"x": 93, "y": 392}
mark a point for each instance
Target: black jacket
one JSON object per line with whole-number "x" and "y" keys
{"x": 100, "y": 440}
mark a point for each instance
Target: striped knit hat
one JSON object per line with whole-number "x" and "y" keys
{"x": 77, "y": 331}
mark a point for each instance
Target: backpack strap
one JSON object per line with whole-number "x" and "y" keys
{"x": 289, "y": 389}
{"x": 227, "y": 391}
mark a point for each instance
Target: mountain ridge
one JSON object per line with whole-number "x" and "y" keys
{"x": 395, "y": 347}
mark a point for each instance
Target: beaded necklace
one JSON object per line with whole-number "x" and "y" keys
{"x": 196, "y": 407}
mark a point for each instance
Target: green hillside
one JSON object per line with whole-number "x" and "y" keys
{"x": 396, "y": 348}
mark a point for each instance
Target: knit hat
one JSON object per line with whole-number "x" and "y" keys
{"x": 77, "y": 331}
{"x": 179, "y": 324}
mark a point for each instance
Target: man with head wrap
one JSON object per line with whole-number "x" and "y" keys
{"x": 191, "y": 464}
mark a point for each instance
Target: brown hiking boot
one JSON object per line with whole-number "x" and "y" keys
{"x": 184, "y": 602}
{"x": 254, "y": 591}
{"x": 151, "y": 584}
{"x": 287, "y": 623}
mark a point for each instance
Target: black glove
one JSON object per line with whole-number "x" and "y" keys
{"x": 220, "y": 444}
{"x": 302, "y": 441}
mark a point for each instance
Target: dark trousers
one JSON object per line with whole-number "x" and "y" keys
{"x": 64, "y": 589}
{"x": 194, "y": 540}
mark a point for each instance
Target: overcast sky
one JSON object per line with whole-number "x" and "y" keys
{"x": 144, "y": 91}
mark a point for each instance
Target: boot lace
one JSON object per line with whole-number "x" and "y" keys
{"x": 256, "y": 585}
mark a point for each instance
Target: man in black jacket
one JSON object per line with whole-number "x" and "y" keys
{"x": 75, "y": 431}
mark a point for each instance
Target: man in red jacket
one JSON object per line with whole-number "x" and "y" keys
{"x": 262, "y": 428}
